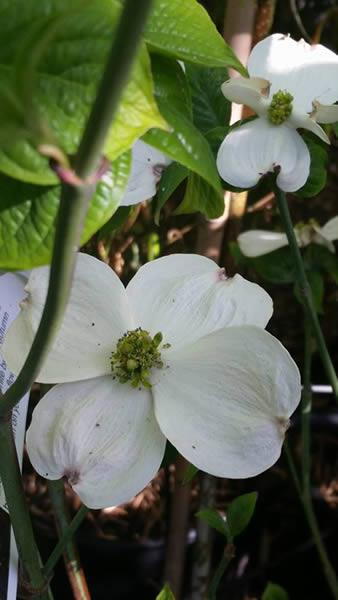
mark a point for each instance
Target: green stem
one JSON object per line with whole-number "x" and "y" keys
{"x": 73, "y": 208}
{"x": 71, "y": 556}
{"x": 306, "y": 405}
{"x": 74, "y": 203}
{"x": 63, "y": 541}
{"x": 306, "y": 290}
{"x": 304, "y": 487}
{"x": 306, "y": 500}
{"x": 75, "y": 200}
{"x": 11, "y": 480}
{"x": 223, "y": 565}
{"x": 292, "y": 467}
{"x": 120, "y": 61}
{"x": 306, "y": 461}
{"x": 329, "y": 571}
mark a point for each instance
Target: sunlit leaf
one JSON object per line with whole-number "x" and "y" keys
{"x": 28, "y": 213}
{"x": 210, "y": 108}
{"x": 65, "y": 81}
{"x": 183, "y": 143}
{"x": 183, "y": 29}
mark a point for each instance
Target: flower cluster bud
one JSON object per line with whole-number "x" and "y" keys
{"x": 136, "y": 353}
{"x": 280, "y": 108}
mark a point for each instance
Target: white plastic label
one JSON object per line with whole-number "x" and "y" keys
{"x": 11, "y": 293}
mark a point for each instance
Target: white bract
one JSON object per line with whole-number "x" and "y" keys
{"x": 292, "y": 85}
{"x": 147, "y": 167}
{"x": 258, "y": 241}
{"x": 180, "y": 353}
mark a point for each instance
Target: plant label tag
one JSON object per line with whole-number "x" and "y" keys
{"x": 11, "y": 293}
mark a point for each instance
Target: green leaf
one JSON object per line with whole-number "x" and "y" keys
{"x": 153, "y": 246}
{"x": 316, "y": 283}
{"x": 171, "y": 84}
{"x": 335, "y": 128}
{"x": 170, "y": 180}
{"x": 65, "y": 81}
{"x": 184, "y": 30}
{"x": 274, "y": 592}
{"x": 183, "y": 143}
{"x": 201, "y": 197}
{"x": 115, "y": 222}
{"x": 277, "y": 266}
{"x": 210, "y": 108}
{"x": 318, "y": 169}
{"x": 240, "y": 513}
{"x": 166, "y": 594}
{"x": 189, "y": 474}
{"x": 170, "y": 455}
{"x": 317, "y": 257}
{"x": 215, "y": 137}
{"x": 214, "y": 520}
{"x": 28, "y": 213}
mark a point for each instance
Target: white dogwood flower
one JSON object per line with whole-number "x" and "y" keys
{"x": 147, "y": 166}
{"x": 179, "y": 354}
{"x": 292, "y": 85}
{"x": 258, "y": 241}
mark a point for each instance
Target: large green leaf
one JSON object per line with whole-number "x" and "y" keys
{"x": 183, "y": 143}
{"x": 201, "y": 197}
{"x": 171, "y": 84}
{"x": 65, "y": 80}
{"x": 183, "y": 29}
{"x": 210, "y": 108}
{"x": 28, "y": 212}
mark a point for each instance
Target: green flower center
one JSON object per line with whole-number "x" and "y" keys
{"x": 306, "y": 233}
{"x": 136, "y": 353}
{"x": 280, "y": 108}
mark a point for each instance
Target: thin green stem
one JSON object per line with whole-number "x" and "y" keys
{"x": 11, "y": 480}
{"x": 120, "y": 61}
{"x": 306, "y": 460}
{"x": 74, "y": 203}
{"x": 306, "y": 290}
{"x": 75, "y": 200}
{"x": 71, "y": 556}
{"x": 304, "y": 486}
{"x": 306, "y": 501}
{"x": 329, "y": 571}
{"x": 223, "y": 565}
{"x": 306, "y": 405}
{"x": 73, "y": 207}
{"x": 63, "y": 541}
{"x": 292, "y": 467}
